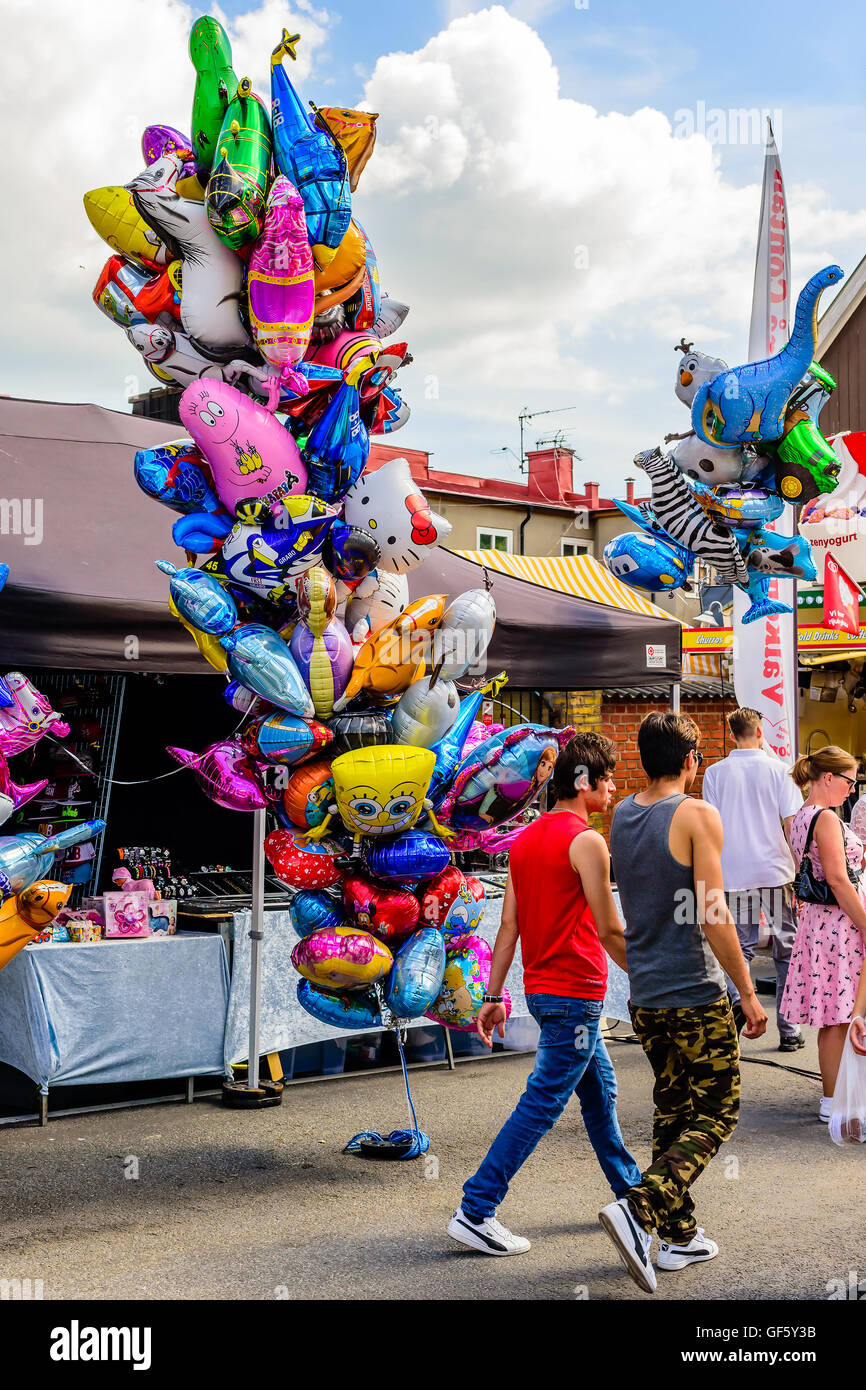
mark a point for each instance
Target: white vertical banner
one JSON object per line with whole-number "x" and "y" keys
{"x": 765, "y": 670}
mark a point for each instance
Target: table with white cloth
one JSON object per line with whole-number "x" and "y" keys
{"x": 150, "y": 1008}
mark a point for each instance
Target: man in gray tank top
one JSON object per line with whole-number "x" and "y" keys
{"x": 679, "y": 938}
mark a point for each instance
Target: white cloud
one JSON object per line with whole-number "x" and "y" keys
{"x": 552, "y": 254}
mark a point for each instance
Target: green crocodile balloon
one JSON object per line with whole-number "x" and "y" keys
{"x": 215, "y": 82}
{"x": 238, "y": 186}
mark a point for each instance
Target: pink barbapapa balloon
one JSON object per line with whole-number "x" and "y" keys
{"x": 254, "y": 461}
{"x": 281, "y": 289}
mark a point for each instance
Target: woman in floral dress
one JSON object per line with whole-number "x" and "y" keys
{"x": 830, "y": 945}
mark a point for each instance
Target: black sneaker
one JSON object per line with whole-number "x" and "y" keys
{"x": 792, "y": 1044}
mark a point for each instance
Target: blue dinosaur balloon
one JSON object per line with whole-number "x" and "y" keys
{"x": 338, "y": 447}
{"x": 416, "y": 975}
{"x": 311, "y": 158}
{"x": 201, "y": 599}
{"x": 748, "y": 403}
{"x": 172, "y": 474}
{"x": 260, "y": 660}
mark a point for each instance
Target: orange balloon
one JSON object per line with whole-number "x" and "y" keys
{"x": 394, "y": 658}
{"x": 309, "y": 793}
{"x": 343, "y": 274}
{"x": 26, "y": 915}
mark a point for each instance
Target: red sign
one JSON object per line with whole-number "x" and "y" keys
{"x": 841, "y": 599}
{"x": 486, "y": 711}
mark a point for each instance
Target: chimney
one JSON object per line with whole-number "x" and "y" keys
{"x": 629, "y": 490}
{"x": 591, "y": 493}
{"x": 550, "y": 474}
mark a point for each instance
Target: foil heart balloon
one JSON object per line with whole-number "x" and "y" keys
{"x": 225, "y": 774}
{"x": 386, "y": 912}
{"x": 417, "y": 973}
{"x": 442, "y": 895}
{"x": 311, "y": 910}
{"x": 475, "y": 913}
{"x": 341, "y": 958}
{"x": 464, "y": 983}
{"x": 302, "y": 865}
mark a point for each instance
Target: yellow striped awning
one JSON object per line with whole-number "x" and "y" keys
{"x": 580, "y": 575}
{"x": 702, "y": 663}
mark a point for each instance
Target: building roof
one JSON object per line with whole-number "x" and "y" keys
{"x": 690, "y": 689}
{"x": 548, "y": 484}
{"x": 842, "y": 309}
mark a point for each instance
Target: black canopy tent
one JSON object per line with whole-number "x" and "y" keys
{"x": 84, "y": 592}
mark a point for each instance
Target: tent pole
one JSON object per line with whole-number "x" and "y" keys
{"x": 675, "y": 698}
{"x": 257, "y": 914}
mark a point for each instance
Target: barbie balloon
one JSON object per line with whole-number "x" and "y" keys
{"x": 283, "y": 738}
{"x": 423, "y": 714}
{"x": 417, "y": 974}
{"x": 238, "y": 182}
{"x": 313, "y": 910}
{"x": 200, "y": 599}
{"x": 377, "y": 600}
{"x": 309, "y": 793}
{"x": 357, "y": 1010}
{"x": 503, "y": 776}
{"x": 389, "y": 503}
{"x": 265, "y": 559}
{"x": 338, "y": 447}
{"x": 262, "y": 662}
{"x": 24, "y": 722}
{"x": 408, "y": 858}
{"x": 342, "y": 958}
{"x": 225, "y": 774}
{"x": 174, "y": 475}
{"x": 320, "y": 643}
{"x": 301, "y": 864}
{"x": 311, "y": 158}
{"x": 254, "y": 461}
{"x": 212, "y": 274}
{"x": 129, "y": 294}
{"x": 280, "y": 283}
{"x": 388, "y": 913}
{"x": 113, "y": 214}
{"x": 159, "y": 140}
{"x": 215, "y": 82}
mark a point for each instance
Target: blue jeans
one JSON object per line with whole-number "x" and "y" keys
{"x": 571, "y": 1057}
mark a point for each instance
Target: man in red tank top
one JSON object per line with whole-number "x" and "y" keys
{"x": 558, "y": 904}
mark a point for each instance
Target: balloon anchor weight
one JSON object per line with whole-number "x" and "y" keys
{"x": 239, "y": 1095}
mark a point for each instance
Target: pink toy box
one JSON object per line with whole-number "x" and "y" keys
{"x": 126, "y": 915}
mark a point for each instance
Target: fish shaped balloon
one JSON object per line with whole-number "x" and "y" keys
{"x": 225, "y": 774}
{"x": 260, "y": 660}
{"x": 392, "y": 658}
{"x": 424, "y": 713}
{"x": 28, "y": 857}
{"x": 200, "y": 599}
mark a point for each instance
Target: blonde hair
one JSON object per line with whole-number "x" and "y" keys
{"x": 743, "y": 722}
{"x": 810, "y": 766}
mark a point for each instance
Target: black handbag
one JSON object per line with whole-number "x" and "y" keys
{"x": 807, "y": 887}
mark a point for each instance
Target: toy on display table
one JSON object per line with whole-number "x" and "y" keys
{"x": 754, "y": 445}
{"x": 353, "y": 726}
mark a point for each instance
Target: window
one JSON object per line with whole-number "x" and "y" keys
{"x": 494, "y": 540}
{"x": 571, "y": 548}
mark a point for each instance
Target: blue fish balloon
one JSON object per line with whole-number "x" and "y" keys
{"x": 416, "y": 975}
{"x": 309, "y": 156}
{"x": 24, "y": 859}
{"x": 201, "y": 599}
{"x": 261, "y": 661}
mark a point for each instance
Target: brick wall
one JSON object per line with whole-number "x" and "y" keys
{"x": 620, "y": 721}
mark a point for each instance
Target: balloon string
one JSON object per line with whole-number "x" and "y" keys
{"x": 141, "y": 781}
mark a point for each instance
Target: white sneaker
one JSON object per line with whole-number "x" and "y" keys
{"x": 824, "y": 1109}
{"x": 700, "y": 1247}
{"x": 489, "y": 1236}
{"x": 632, "y": 1242}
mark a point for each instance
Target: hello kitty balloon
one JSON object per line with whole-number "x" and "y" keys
{"x": 254, "y": 460}
{"x": 389, "y": 505}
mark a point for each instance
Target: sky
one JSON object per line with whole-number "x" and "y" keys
{"x": 559, "y": 191}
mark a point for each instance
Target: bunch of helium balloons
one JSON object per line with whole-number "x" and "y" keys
{"x": 29, "y": 900}
{"x": 754, "y": 445}
{"x": 241, "y": 275}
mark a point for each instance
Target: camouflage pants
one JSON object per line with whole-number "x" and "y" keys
{"x": 695, "y": 1056}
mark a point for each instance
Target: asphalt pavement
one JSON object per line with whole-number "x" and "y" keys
{"x": 197, "y": 1201}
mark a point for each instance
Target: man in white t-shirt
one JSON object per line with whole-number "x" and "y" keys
{"x": 757, "y": 800}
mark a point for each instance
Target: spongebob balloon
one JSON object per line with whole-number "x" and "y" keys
{"x": 381, "y": 790}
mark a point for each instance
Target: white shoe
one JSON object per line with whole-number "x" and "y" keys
{"x": 489, "y": 1236}
{"x": 632, "y": 1242}
{"x": 699, "y": 1248}
{"x": 824, "y": 1109}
